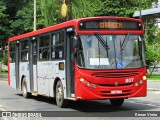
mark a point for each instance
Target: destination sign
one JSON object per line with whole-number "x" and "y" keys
{"x": 110, "y": 24}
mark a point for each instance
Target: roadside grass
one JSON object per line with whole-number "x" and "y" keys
{"x": 153, "y": 77}
{"x": 3, "y": 72}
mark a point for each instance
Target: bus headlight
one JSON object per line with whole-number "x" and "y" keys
{"x": 81, "y": 79}
{"x": 144, "y": 78}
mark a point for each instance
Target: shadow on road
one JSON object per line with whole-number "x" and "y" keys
{"x": 98, "y": 105}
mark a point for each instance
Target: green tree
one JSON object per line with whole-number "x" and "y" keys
{"x": 153, "y": 48}
{"x": 51, "y": 10}
{"x": 12, "y": 7}
{"x": 24, "y": 19}
{"x": 84, "y": 8}
{"x": 124, "y": 8}
{"x": 4, "y": 23}
{"x": 5, "y": 59}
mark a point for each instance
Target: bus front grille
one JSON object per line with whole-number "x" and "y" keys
{"x": 115, "y": 74}
{"x": 113, "y": 85}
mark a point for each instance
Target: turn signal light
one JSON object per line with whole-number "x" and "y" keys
{"x": 81, "y": 79}
{"x": 144, "y": 78}
{"x": 61, "y": 65}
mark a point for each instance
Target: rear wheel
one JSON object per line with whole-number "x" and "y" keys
{"x": 61, "y": 102}
{"x": 117, "y": 102}
{"x": 24, "y": 89}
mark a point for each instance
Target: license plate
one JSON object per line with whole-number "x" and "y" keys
{"x": 116, "y": 91}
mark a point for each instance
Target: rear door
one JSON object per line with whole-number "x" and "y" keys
{"x": 17, "y": 60}
{"x": 33, "y": 64}
{"x": 14, "y": 64}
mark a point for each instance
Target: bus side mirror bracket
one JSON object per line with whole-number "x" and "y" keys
{"x": 75, "y": 45}
{"x": 71, "y": 32}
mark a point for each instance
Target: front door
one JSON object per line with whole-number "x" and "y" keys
{"x": 70, "y": 66}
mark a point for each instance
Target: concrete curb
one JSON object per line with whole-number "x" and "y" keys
{"x": 153, "y": 89}
{"x": 4, "y": 76}
{"x": 3, "y": 79}
{"x": 153, "y": 80}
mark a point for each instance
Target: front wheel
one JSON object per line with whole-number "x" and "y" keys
{"x": 61, "y": 102}
{"x": 117, "y": 102}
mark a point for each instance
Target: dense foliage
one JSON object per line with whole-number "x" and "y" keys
{"x": 16, "y": 17}
{"x": 124, "y": 8}
{"x": 152, "y": 48}
{"x": 76, "y": 9}
{"x": 4, "y": 22}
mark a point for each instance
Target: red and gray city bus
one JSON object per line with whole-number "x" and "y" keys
{"x": 95, "y": 58}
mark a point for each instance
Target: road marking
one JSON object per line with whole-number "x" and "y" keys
{"x": 5, "y": 118}
{"x": 1, "y": 108}
{"x": 157, "y": 92}
{"x": 152, "y": 105}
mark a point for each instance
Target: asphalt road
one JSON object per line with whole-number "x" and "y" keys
{"x": 12, "y": 100}
{"x": 153, "y": 85}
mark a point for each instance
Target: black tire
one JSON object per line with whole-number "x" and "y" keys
{"x": 117, "y": 102}
{"x": 61, "y": 102}
{"x": 24, "y": 89}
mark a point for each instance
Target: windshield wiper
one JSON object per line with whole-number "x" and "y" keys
{"x": 102, "y": 41}
{"x": 125, "y": 41}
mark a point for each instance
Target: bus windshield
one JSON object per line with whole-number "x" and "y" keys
{"x": 92, "y": 54}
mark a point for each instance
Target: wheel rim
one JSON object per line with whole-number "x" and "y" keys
{"x": 59, "y": 94}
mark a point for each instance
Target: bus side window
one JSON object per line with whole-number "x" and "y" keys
{"x": 24, "y": 50}
{"x": 24, "y": 56}
{"x": 44, "y": 54}
{"x": 53, "y": 39}
{"x": 12, "y": 52}
{"x": 57, "y": 45}
{"x": 44, "y": 48}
